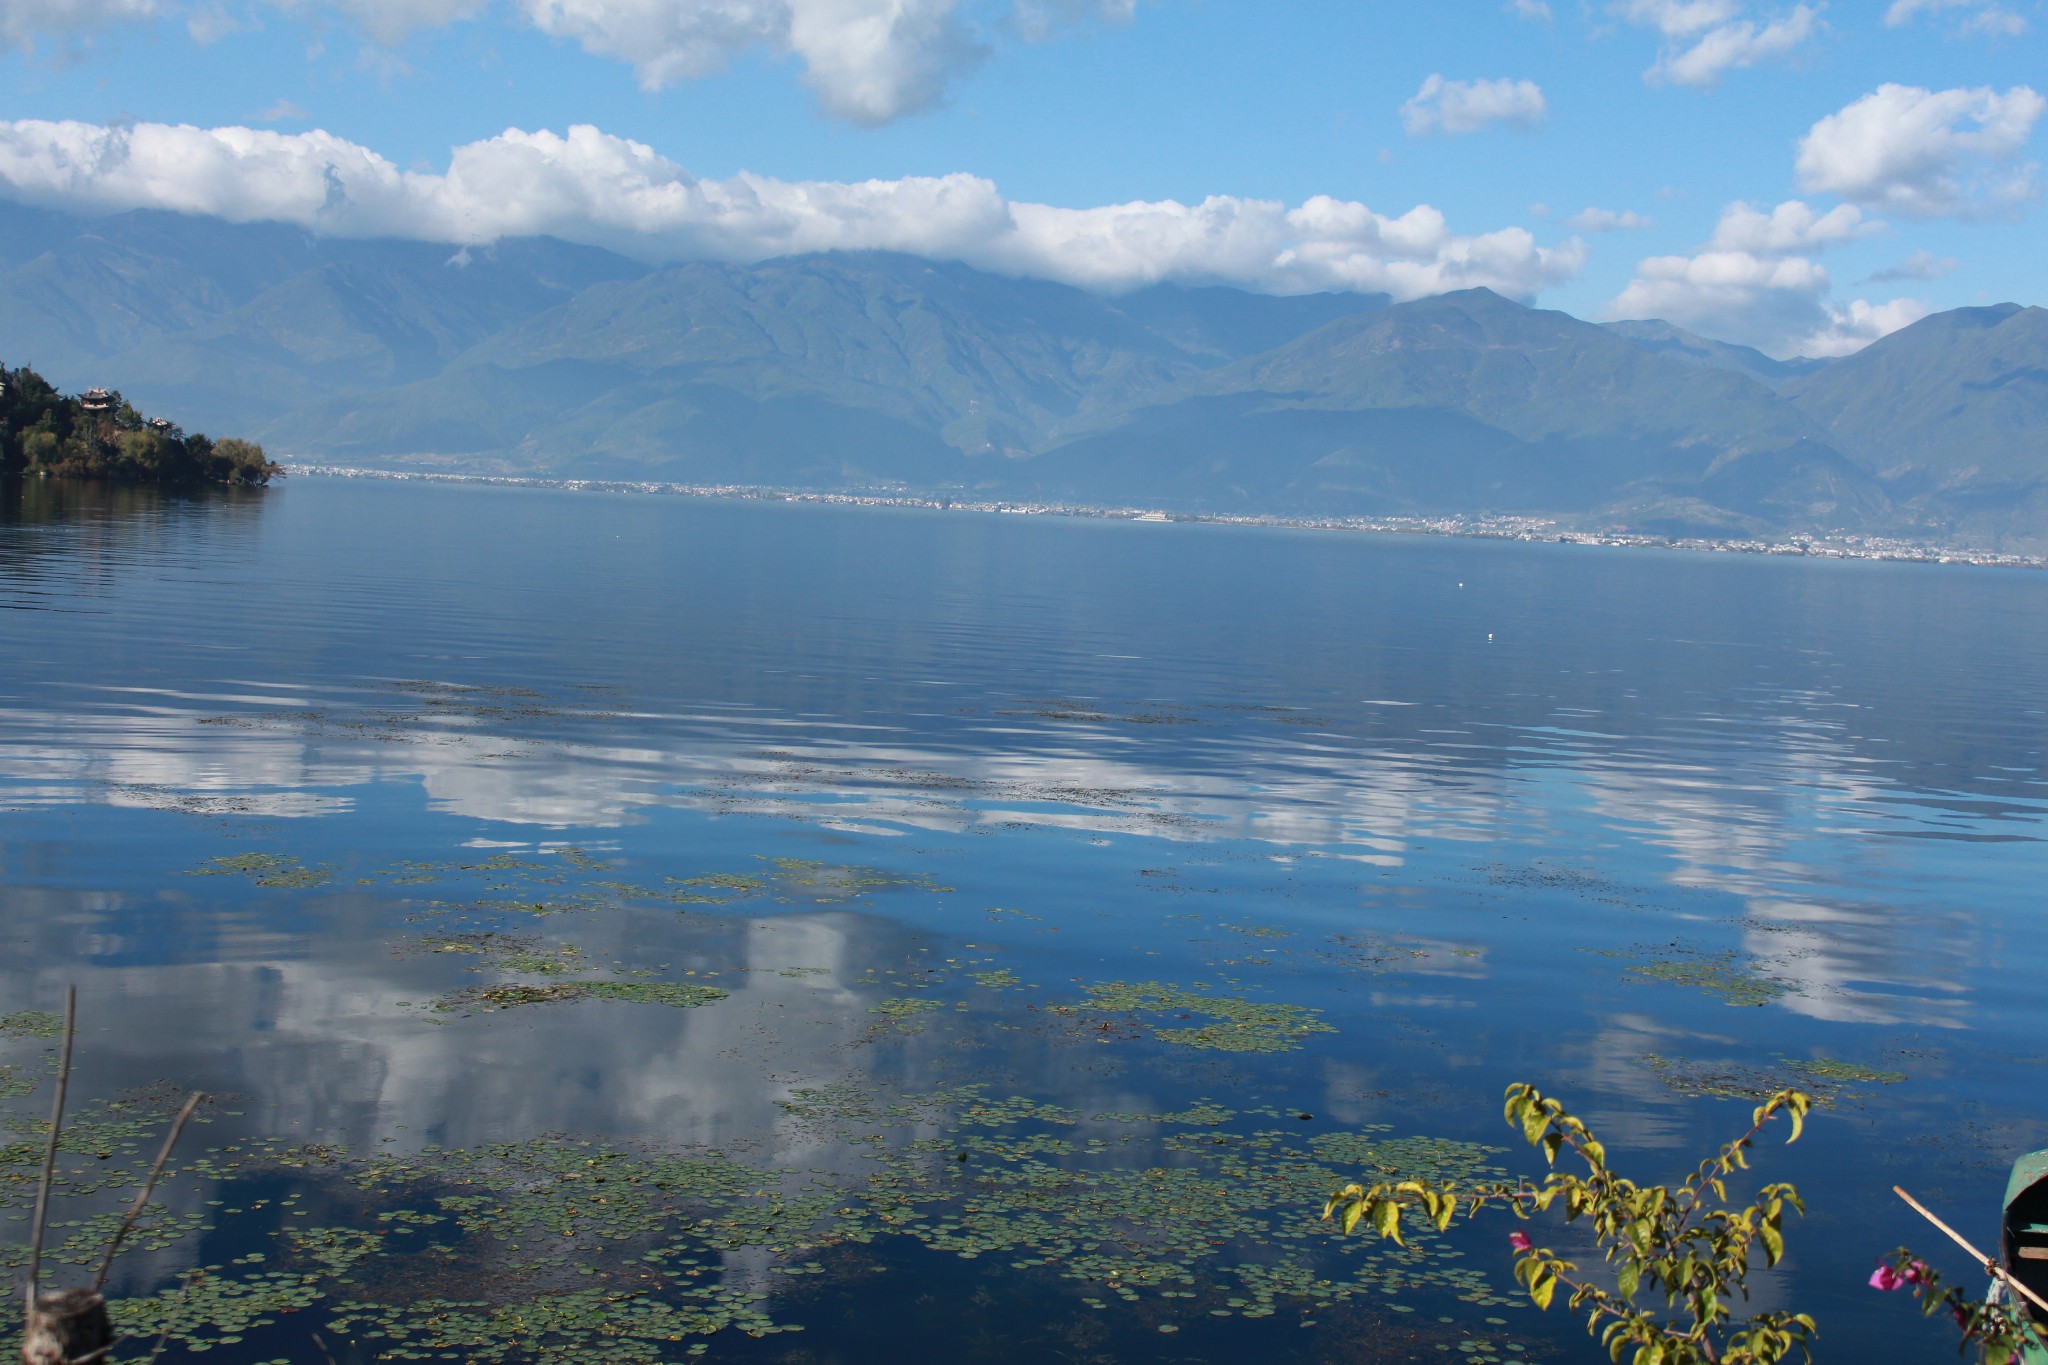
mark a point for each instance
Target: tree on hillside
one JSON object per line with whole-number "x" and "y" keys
{"x": 100, "y": 435}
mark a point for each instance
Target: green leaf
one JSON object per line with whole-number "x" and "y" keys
{"x": 1386, "y": 1220}
{"x": 1774, "y": 1243}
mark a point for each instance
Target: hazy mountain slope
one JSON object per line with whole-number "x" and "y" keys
{"x": 382, "y": 314}
{"x": 1534, "y": 373}
{"x": 1229, "y": 324}
{"x": 27, "y": 232}
{"x": 153, "y": 301}
{"x": 1469, "y": 402}
{"x": 989, "y": 365}
{"x": 1957, "y": 400}
{"x": 1676, "y": 343}
{"x": 111, "y": 285}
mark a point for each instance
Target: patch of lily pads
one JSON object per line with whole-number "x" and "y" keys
{"x": 1235, "y": 1024}
{"x": 1729, "y": 976}
{"x": 1827, "y": 1080}
{"x": 585, "y": 1252}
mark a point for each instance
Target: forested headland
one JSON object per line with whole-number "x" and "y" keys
{"x": 100, "y": 435}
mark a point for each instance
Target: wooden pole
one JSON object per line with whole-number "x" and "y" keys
{"x": 68, "y": 1326}
{"x": 35, "y": 1240}
{"x": 1991, "y": 1267}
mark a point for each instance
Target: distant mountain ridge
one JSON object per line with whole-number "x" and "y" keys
{"x": 879, "y": 370}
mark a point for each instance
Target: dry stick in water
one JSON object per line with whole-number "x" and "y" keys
{"x": 70, "y": 1326}
{"x": 192, "y": 1102}
{"x": 35, "y": 1240}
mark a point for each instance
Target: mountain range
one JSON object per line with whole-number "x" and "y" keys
{"x": 870, "y": 370}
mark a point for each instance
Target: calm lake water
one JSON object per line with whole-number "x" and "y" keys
{"x": 789, "y": 933}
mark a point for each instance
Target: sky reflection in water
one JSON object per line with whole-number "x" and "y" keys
{"x": 1435, "y": 789}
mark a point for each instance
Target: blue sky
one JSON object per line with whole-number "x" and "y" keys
{"x": 1898, "y": 136}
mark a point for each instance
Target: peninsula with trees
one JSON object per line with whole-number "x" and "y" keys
{"x": 99, "y": 435}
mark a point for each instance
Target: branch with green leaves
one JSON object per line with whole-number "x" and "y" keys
{"x": 2000, "y": 1329}
{"x": 1683, "y": 1243}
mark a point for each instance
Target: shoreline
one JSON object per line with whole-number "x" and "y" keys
{"x": 1536, "y": 530}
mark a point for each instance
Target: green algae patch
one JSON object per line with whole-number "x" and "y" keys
{"x": 31, "y": 1024}
{"x": 678, "y": 995}
{"x": 900, "y": 1012}
{"x": 1828, "y": 1081}
{"x": 572, "y": 1250}
{"x": 506, "y": 952}
{"x": 266, "y": 869}
{"x": 1236, "y": 1024}
{"x": 1847, "y": 1073}
{"x": 803, "y": 879}
{"x": 1200, "y": 1114}
{"x": 1730, "y": 977}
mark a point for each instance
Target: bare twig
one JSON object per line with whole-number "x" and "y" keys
{"x": 148, "y": 1187}
{"x": 35, "y": 1241}
{"x": 325, "y": 1354}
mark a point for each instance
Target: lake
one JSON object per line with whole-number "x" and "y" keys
{"x": 658, "y": 927}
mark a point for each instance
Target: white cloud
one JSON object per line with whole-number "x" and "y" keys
{"x": 1039, "y": 20}
{"x": 1703, "y": 39}
{"x": 1607, "y": 220}
{"x": 1455, "y": 107}
{"x": 588, "y": 186}
{"x": 868, "y": 60}
{"x": 1972, "y": 16}
{"x": 1921, "y": 265}
{"x": 1528, "y": 9}
{"x": 1791, "y": 226}
{"x": 1926, "y": 153}
{"x": 23, "y": 21}
{"x": 1756, "y": 282}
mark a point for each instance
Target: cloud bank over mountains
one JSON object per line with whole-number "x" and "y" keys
{"x": 1758, "y": 280}
{"x": 588, "y": 186}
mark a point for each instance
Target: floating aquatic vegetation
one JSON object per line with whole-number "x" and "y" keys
{"x": 829, "y": 883}
{"x": 1238, "y": 1025}
{"x": 578, "y": 1251}
{"x": 1200, "y": 1114}
{"x": 1849, "y": 1073}
{"x": 1002, "y": 979}
{"x": 31, "y": 1024}
{"x": 679, "y": 995}
{"x": 1727, "y": 975}
{"x": 900, "y": 1012}
{"x": 266, "y": 869}
{"x": 1826, "y": 1080}
{"x": 506, "y": 952}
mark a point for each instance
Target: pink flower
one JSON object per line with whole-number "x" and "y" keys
{"x": 1519, "y": 1241}
{"x": 1885, "y": 1278}
{"x": 1962, "y": 1318}
{"x": 1915, "y": 1272}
